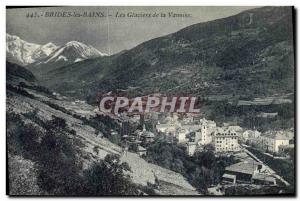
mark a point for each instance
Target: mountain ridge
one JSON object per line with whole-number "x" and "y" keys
{"x": 248, "y": 54}
{"x": 34, "y": 55}
{"x": 23, "y": 53}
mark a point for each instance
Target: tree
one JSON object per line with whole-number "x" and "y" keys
{"x": 108, "y": 177}
{"x": 59, "y": 170}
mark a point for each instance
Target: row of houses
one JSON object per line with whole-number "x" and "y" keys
{"x": 271, "y": 141}
{"x": 198, "y": 134}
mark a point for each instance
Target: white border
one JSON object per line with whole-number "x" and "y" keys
{"x": 3, "y": 3}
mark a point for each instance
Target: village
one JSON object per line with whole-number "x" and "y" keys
{"x": 196, "y": 133}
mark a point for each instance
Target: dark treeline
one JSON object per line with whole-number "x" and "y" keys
{"x": 58, "y": 166}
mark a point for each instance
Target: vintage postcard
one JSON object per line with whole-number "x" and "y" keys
{"x": 150, "y": 101}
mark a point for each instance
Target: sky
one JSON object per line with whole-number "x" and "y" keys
{"x": 112, "y": 32}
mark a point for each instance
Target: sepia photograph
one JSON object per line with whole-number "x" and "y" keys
{"x": 150, "y": 101}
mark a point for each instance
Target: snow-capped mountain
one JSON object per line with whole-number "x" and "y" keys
{"x": 71, "y": 52}
{"x": 44, "y": 51}
{"x": 24, "y": 53}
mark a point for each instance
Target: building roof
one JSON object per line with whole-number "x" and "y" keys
{"x": 141, "y": 149}
{"x": 164, "y": 125}
{"x": 246, "y": 167}
{"x": 235, "y": 128}
{"x": 229, "y": 176}
{"x": 263, "y": 177}
{"x": 267, "y": 114}
{"x": 191, "y": 126}
{"x": 281, "y": 137}
{"x": 147, "y": 134}
{"x": 205, "y": 121}
{"x": 252, "y": 132}
{"x": 276, "y": 136}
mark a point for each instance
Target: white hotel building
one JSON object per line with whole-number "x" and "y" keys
{"x": 226, "y": 139}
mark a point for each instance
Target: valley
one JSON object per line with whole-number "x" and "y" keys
{"x": 241, "y": 69}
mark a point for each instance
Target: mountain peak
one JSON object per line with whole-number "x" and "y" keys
{"x": 71, "y": 52}
{"x": 74, "y": 43}
{"x": 86, "y": 51}
{"x": 19, "y": 51}
{"x": 12, "y": 37}
{"x": 50, "y": 44}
